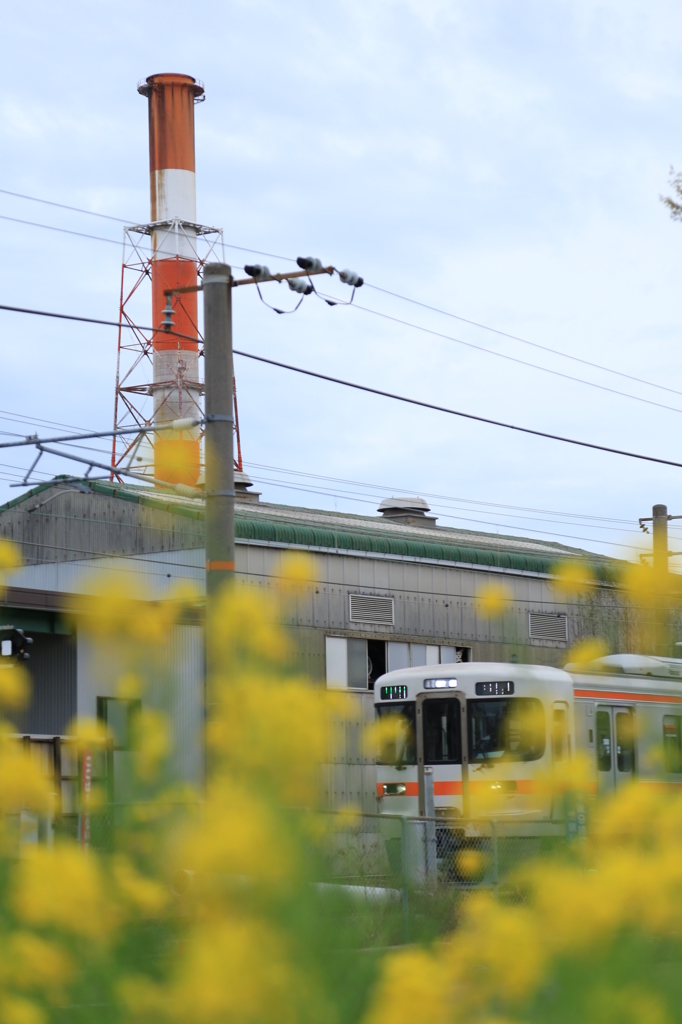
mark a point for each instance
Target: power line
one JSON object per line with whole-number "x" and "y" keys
{"x": 515, "y": 359}
{"x": 361, "y": 387}
{"x": 368, "y": 498}
{"x": 386, "y": 489}
{"x": 455, "y": 412}
{"x": 468, "y": 519}
{"x": 62, "y": 206}
{"x": 93, "y": 238}
{"x": 113, "y": 241}
{"x": 385, "y": 291}
{"x": 524, "y": 341}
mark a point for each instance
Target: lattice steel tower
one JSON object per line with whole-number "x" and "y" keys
{"x": 169, "y": 252}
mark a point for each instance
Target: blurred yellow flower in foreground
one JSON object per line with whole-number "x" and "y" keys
{"x": 34, "y": 963}
{"x": 386, "y": 738}
{"x": 573, "y": 578}
{"x": 297, "y": 571}
{"x": 88, "y": 733}
{"x": 151, "y": 741}
{"x": 23, "y": 784}
{"x": 587, "y": 650}
{"x": 14, "y": 686}
{"x": 10, "y": 555}
{"x": 60, "y": 887}
{"x": 493, "y": 598}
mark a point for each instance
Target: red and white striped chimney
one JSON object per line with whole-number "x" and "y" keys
{"x": 176, "y": 386}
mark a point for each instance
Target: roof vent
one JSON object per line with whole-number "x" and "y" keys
{"x": 410, "y": 511}
{"x": 242, "y": 481}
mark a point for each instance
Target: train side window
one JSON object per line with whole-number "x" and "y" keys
{"x": 625, "y": 741}
{"x": 603, "y": 741}
{"x": 672, "y": 743}
{"x": 559, "y": 735}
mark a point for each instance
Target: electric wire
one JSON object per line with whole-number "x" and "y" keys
{"x": 524, "y": 341}
{"x": 386, "y": 489}
{"x": 92, "y": 238}
{"x": 455, "y": 412}
{"x": 372, "y": 500}
{"x": 480, "y": 522}
{"x": 365, "y": 388}
{"x": 62, "y": 206}
{"x": 515, "y": 359}
{"x": 377, "y": 288}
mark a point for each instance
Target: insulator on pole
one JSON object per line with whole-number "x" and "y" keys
{"x": 351, "y": 278}
{"x": 309, "y": 263}
{"x": 257, "y": 272}
{"x": 300, "y": 285}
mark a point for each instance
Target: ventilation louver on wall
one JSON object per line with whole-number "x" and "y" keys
{"x": 371, "y": 609}
{"x": 548, "y": 626}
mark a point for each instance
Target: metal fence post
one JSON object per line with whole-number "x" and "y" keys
{"x": 429, "y": 827}
{"x": 404, "y": 869}
{"x": 496, "y": 862}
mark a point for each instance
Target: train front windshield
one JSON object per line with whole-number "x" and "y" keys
{"x": 510, "y": 729}
{"x": 402, "y": 749}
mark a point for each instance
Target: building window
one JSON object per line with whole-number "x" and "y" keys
{"x": 357, "y": 662}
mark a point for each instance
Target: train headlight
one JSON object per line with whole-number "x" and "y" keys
{"x": 440, "y": 684}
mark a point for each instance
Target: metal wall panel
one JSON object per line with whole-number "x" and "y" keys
{"x": 52, "y": 668}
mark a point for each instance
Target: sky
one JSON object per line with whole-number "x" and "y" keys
{"x": 501, "y": 162}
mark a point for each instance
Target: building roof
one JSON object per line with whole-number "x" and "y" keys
{"x": 321, "y": 529}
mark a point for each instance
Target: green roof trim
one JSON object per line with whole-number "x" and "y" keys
{"x": 367, "y": 538}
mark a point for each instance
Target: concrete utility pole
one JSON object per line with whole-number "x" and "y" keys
{"x": 660, "y": 530}
{"x": 660, "y": 519}
{"x": 219, "y": 472}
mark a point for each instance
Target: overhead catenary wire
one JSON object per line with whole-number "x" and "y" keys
{"x": 359, "y": 387}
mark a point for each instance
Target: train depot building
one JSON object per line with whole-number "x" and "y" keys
{"x": 393, "y": 590}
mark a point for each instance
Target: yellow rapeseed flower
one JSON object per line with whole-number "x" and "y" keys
{"x": 587, "y": 650}
{"x": 152, "y": 742}
{"x": 14, "y": 687}
{"x": 297, "y": 571}
{"x": 23, "y": 784}
{"x": 573, "y": 578}
{"x": 36, "y": 963}
{"x": 63, "y": 887}
{"x": 494, "y": 598}
{"x": 10, "y": 555}
{"x": 88, "y": 733}
{"x": 239, "y": 836}
{"x": 17, "y": 1010}
{"x": 144, "y": 895}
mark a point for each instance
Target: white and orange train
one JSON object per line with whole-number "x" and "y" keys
{"x": 478, "y": 729}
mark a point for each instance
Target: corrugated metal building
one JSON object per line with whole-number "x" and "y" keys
{"x": 392, "y": 590}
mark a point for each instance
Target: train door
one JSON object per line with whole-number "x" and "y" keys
{"x": 615, "y": 745}
{"x": 442, "y": 745}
